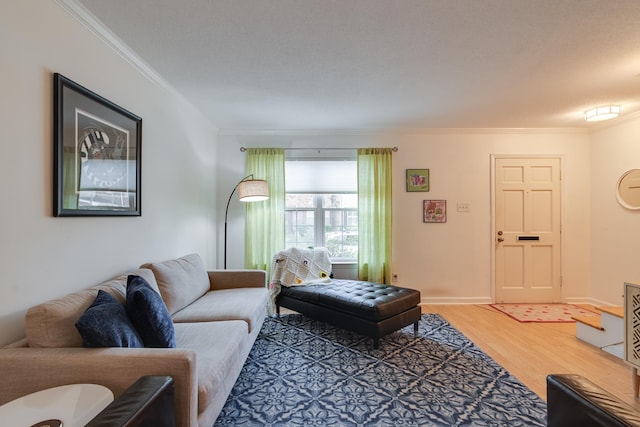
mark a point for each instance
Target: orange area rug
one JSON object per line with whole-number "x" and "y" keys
{"x": 543, "y": 313}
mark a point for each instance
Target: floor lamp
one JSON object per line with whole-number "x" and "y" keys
{"x": 249, "y": 190}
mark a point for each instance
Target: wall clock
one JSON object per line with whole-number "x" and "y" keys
{"x": 628, "y": 191}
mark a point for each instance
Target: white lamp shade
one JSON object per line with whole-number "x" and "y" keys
{"x": 605, "y": 112}
{"x": 253, "y": 190}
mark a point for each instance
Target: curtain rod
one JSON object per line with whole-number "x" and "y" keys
{"x": 394, "y": 149}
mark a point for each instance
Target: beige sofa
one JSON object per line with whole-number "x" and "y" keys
{"x": 217, "y": 316}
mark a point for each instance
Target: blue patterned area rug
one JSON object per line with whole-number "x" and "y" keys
{"x": 302, "y": 372}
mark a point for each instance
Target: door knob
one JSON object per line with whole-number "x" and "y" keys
{"x": 500, "y": 239}
{"x": 500, "y": 233}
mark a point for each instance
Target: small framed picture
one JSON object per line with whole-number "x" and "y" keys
{"x": 417, "y": 180}
{"x": 434, "y": 211}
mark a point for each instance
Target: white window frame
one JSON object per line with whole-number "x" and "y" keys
{"x": 319, "y": 219}
{"x": 325, "y": 179}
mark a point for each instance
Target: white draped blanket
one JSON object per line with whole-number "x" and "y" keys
{"x": 298, "y": 267}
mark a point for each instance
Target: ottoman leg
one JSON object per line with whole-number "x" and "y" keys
{"x": 376, "y": 343}
{"x": 415, "y": 330}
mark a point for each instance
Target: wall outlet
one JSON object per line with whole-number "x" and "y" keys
{"x": 394, "y": 277}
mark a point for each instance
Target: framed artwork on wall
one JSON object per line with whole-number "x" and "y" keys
{"x": 97, "y": 154}
{"x": 417, "y": 180}
{"x": 434, "y": 211}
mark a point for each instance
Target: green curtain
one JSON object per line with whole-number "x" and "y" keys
{"x": 264, "y": 228}
{"x": 374, "y": 214}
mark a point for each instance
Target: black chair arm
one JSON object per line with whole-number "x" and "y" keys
{"x": 148, "y": 402}
{"x": 573, "y": 400}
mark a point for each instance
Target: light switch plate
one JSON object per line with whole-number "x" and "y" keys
{"x": 464, "y": 207}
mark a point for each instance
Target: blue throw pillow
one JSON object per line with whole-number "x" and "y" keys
{"x": 105, "y": 324}
{"x": 149, "y": 314}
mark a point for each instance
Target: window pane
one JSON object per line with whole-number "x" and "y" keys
{"x": 340, "y": 201}
{"x": 300, "y": 201}
{"x": 340, "y": 237}
{"x": 323, "y": 219}
{"x": 299, "y": 229}
{"x": 352, "y": 219}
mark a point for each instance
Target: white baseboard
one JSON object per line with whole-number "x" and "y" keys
{"x": 592, "y": 301}
{"x": 455, "y": 300}
{"x": 489, "y": 300}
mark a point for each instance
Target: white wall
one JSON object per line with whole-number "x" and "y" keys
{"x": 615, "y": 230}
{"x": 448, "y": 263}
{"x": 43, "y": 257}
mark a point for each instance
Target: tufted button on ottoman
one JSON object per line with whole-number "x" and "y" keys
{"x": 371, "y": 309}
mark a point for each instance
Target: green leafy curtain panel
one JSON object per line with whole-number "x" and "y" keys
{"x": 264, "y": 228}
{"x": 374, "y": 214}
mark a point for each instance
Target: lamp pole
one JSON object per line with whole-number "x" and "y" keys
{"x": 226, "y": 213}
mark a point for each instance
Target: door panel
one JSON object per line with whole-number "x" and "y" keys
{"x": 514, "y": 210}
{"x": 527, "y": 224}
{"x": 542, "y": 211}
{"x": 543, "y": 259}
{"x": 513, "y": 265}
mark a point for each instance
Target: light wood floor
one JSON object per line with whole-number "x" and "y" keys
{"x": 531, "y": 351}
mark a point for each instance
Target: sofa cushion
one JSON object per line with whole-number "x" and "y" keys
{"x": 52, "y": 323}
{"x": 148, "y": 314}
{"x": 221, "y": 350}
{"x": 181, "y": 281}
{"x": 248, "y": 304}
{"x": 106, "y": 324}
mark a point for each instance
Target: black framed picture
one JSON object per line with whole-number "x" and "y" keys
{"x": 97, "y": 154}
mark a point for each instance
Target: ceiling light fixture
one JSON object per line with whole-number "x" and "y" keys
{"x": 604, "y": 112}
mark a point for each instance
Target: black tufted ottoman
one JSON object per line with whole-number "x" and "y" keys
{"x": 371, "y": 309}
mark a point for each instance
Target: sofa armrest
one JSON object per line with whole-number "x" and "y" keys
{"x": 232, "y": 279}
{"x": 27, "y": 369}
{"x": 148, "y": 402}
{"x": 573, "y": 400}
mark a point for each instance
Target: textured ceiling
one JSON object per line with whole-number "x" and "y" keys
{"x": 387, "y": 64}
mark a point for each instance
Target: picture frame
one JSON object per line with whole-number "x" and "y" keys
{"x": 97, "y": 154}
{"x": 434, "y": 211}
{"x": 417, "y": 180}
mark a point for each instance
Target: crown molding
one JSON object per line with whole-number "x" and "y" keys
{"x": 400, "y": 131}
{"x": 86, "y": 18}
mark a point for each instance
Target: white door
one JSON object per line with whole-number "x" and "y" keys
{"x": 527, "y": 230}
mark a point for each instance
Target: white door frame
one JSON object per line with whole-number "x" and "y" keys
{"x": 492, "y": 238}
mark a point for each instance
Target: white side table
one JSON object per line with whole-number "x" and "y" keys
{"x": 74, "y": 404}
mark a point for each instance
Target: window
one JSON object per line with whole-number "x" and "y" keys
{"x": 321, "y": 207}
{"x": 329, "y": 220}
